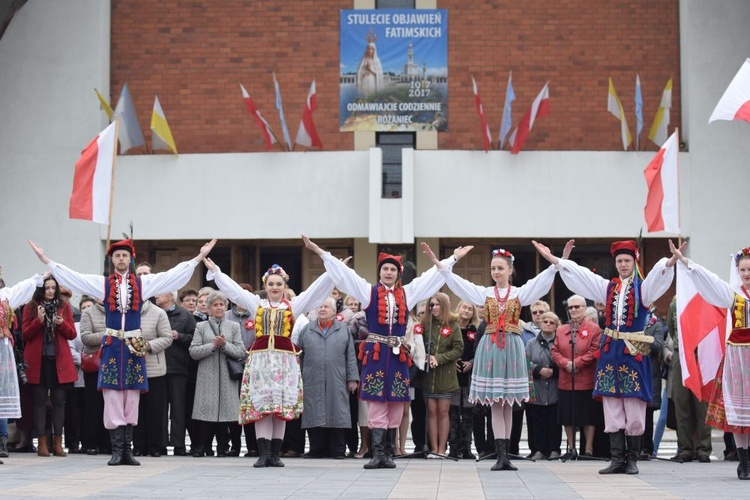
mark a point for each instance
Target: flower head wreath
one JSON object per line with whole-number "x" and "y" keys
{"x": 278, "y": 271}
{"x": 745, "y": 252}
{"x": 501, "y": 252}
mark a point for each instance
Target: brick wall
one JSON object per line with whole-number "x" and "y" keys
{"x": 194, "y": 55}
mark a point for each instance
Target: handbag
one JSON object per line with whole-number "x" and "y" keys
{"x": 90, "y": 362}
{"x": 235, "y": 367}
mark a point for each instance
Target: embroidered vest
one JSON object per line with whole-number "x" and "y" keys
{"x": 493, "y": 309}
{"x": 372, "y": 313}
{"x": 113, "y": 319}
{"x": 634, "y": 314}
{"x": 6, "y": 319}
{"x": 740, "y": 313}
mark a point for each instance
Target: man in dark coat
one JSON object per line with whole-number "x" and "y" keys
{"x": 177, "y": 355}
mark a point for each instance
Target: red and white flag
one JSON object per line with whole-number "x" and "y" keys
{"x": 92, "y": 182}
{"x": 735, "y": 103}
{"x": 486, "y": 137}
{"x": 662, "y": 209}
{"x": 268, "y": 135}
{"x": 307, "y": 135}
{"x": 539, "y": 108}
{"x": 701, "y": 329}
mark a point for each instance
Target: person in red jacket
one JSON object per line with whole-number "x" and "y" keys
{"x": 588, "y": 335}
{"x": 47, "y": 327}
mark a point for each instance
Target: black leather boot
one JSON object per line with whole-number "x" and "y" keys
{"x": 617, "y": 449}
{"x": 117, "y": 437}
{"x": 127, "y": 449}
{"x": 743, "y": 469}
{"x": 467, "y": 426}
{"x": 502, "y": 463}
{"x": 506, "y": 460}
{"x": 390, "y": 442}
{"x": 378, "y": 449}
{"x": 273, "y": 458}
{"x": 264, "y": 447}
{"x": 634, "y": 448}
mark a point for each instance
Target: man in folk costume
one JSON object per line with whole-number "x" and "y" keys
{"x": 384, "y": 381}
{"x": 623, "y": 371}
{"x": 122, "y": 372}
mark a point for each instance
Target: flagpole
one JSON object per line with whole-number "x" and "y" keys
{"x": 679, "y": 200}
{"x": 112, "y": 184}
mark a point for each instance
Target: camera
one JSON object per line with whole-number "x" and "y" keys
{"x": 50, "y": 309}
{"x": 21, "y": 368}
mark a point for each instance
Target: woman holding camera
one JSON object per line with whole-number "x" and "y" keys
{"x": 47, "y": 327}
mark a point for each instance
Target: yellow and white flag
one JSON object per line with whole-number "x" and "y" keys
{"x": 104, "y": 105}
{"x": 614, "y": 106}
{"x": 658, "y": 134}
{"x": 162, "y": 136}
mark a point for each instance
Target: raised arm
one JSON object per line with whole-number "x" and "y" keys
{"x": 582, "y": 281}
{"x": 426, "y": 285}
{"x": 537, "y": 287}
{"x": 85, "y": 284}
{"x": 712, "y": 288}
{"x": 343, "y": 277}
{"x": 230, "y": 288}
{"x": 20, "y": 293}
{"x": 657, "y": 281}
{"x": 315, "y": 294}
{"x": 175, "y": 278}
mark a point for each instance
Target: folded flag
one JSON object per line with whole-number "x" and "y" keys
{"x": 268, "y": 136}
{"x": 539, "y": 108}
{"x": 658, "y": 133}
{"x": 614, "y": 106}
{"x": 307, "y": 134}
{"x": 161, "y": 137}
{"x": 486, "y": 137}
{"x": 130, "y": 135}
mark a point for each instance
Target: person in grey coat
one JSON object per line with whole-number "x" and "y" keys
{"x": 542, "y": 411}
{"x": 329, "y": 370}
{"x": 217, "y": 399}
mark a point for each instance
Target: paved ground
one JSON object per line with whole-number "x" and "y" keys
{"x": 26, "y": 475}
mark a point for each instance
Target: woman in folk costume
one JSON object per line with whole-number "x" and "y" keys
{"x": 501, "y": 370}
{"x": 11, "y": 298}
{"x": 122, "y": 372}
{"x": 623, "y": 372}
{"x": 271, "y": 391}
{"x": 384, "y": 381}
{"x": 729, "y": 406}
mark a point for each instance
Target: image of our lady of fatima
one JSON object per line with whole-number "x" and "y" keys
{"x": 394, "y": 70}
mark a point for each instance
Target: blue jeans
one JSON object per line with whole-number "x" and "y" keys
{"x": 662, "y": 422}
{"x": 3, "y": 427}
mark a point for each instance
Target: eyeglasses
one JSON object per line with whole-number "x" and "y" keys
{"x": 574, "y": 307}
{"x": 549, "y": 322}
{"x": 537, "y": 312}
